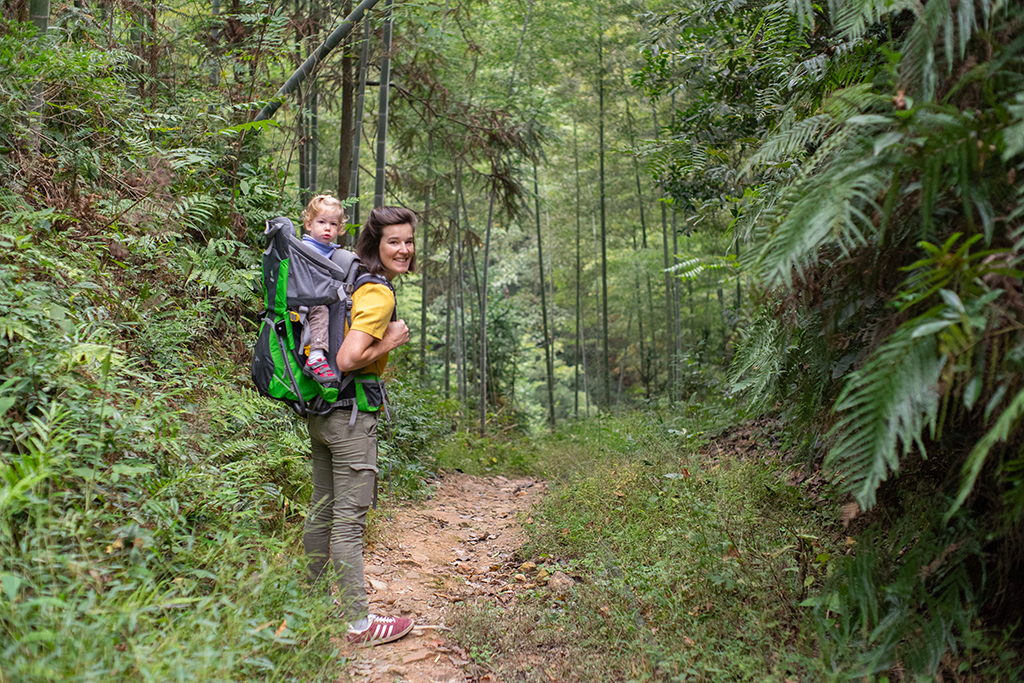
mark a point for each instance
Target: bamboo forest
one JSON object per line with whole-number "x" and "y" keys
{"x": 706, "y": 360}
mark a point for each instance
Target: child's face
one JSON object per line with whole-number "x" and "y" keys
{"x": 325, "y": 226}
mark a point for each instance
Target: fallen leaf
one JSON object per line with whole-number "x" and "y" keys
{"x": 262, "y": 626}
{"x": 281, "y": 628}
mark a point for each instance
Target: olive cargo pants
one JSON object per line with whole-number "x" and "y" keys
{"x": 344, "y": 478}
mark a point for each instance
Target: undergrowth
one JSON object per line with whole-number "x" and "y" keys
{"x": 152, "y": 503}
{"x": 697, "y": 556}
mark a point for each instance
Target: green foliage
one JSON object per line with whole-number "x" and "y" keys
{"x": 908, "y": 595}
{"x": 688, "y": 566}
{"x": 881, "y": 201}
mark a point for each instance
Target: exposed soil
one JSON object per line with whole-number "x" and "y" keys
{"x": 459, "y": 545}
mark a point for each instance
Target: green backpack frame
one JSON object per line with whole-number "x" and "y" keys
{"x": 295, "y": 278}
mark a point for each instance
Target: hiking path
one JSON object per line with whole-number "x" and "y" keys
{"x": 459, "y": 545}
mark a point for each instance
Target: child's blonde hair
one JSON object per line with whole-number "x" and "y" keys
{"x": 320, "y": 204}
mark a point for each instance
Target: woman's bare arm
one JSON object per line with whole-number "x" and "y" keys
{"x": 360, "y": 349}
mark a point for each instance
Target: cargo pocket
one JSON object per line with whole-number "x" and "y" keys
{"x": 369, "y": 393}
{"x": 364, "y": 467}
{"x": 364, "y": 482}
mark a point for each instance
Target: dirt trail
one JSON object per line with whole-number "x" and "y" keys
{"x": 459, "y": 545}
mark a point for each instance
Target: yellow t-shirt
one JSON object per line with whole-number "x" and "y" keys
{"x": 372, "y": 305}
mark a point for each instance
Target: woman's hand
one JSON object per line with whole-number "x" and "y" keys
{"x": 396, "y": 334}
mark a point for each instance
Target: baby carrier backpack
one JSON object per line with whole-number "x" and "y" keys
{"x": 296, "y": 277}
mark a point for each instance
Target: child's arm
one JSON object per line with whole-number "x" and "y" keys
{"x": 360, "y": 349}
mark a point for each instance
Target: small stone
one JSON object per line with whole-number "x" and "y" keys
{"x": 417, "y": 656}
{"x": 412, "y": 575}
{"x": 378, "y": 585}
{"x": 560, "y": 582}
{"x": 521, "y": 578}
{"x": 374, "y": 569}
{"x": 527, "y": 566}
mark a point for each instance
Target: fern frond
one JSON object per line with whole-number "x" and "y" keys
{"x": 885, "y": 408}
{"x": 920, "y": 61}
{"x": 235, "y": 450}
{"x": 793, "y": 141}
{"x": 759, "y": 360}
{"x": 829, "y": 209}
{"x": 692, "y": 268}
{"x": 854, "y": 17}
{"x": 195, "y": 210}
{"x": 1001, "y": 431}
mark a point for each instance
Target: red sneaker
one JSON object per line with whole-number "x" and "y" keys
{"x": 381, "y": 630}
{"x": 319, "y": 370}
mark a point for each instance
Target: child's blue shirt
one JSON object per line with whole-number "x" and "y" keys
{"x": 325, "y": 249}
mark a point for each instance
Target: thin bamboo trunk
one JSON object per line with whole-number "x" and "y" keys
{"x": 579, "y": 332}
{"x": 519, "y": 49}
{"x": 483, "y": 319}
{"x": 597, "y": 302}
{"x": 544, "y": 304}
{"x": 382, "y": 108}
{"x": 644, "y": 370}
{"x": 622, "y": 362}
{"x": 301, "y": 123}
{"x": 450, "y": 300}
{"x": 314, "y": 137}
{"x": 345, "y": 136}
{"x": 606, "y": 370}
{"x": 677, "y": 302}
{"x": 357, "y": 126}
{"x": 739, "y": 301}
{"x": 215, "y": 39}
{"x": 424, "y": 272}
{"x": 153, "y": 52}
{"x": 39, "y": 15}
{"x": 670, "y": 342}
{"x": 636, "y": 173}
{"x": 460, "y": 330}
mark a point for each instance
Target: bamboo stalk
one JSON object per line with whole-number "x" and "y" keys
{"x": 320, "y": 54}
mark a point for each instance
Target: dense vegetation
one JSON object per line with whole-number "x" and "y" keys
{"x": 700, "y": 212}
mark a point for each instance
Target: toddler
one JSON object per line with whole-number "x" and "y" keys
{"x": 322, "y": 219}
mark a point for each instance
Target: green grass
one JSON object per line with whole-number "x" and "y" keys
{"x": 688, "y": 568}
{"x": 151, "y": 504}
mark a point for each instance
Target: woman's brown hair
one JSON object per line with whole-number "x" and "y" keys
{"x": 368, "y": 246}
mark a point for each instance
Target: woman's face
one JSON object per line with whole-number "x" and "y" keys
{"x": 396, "y": 249}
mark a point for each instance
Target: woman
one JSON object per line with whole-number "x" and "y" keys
{"x": 345, "y": 453}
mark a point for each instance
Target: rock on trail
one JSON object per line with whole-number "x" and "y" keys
{"x": 459, "y": 545}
